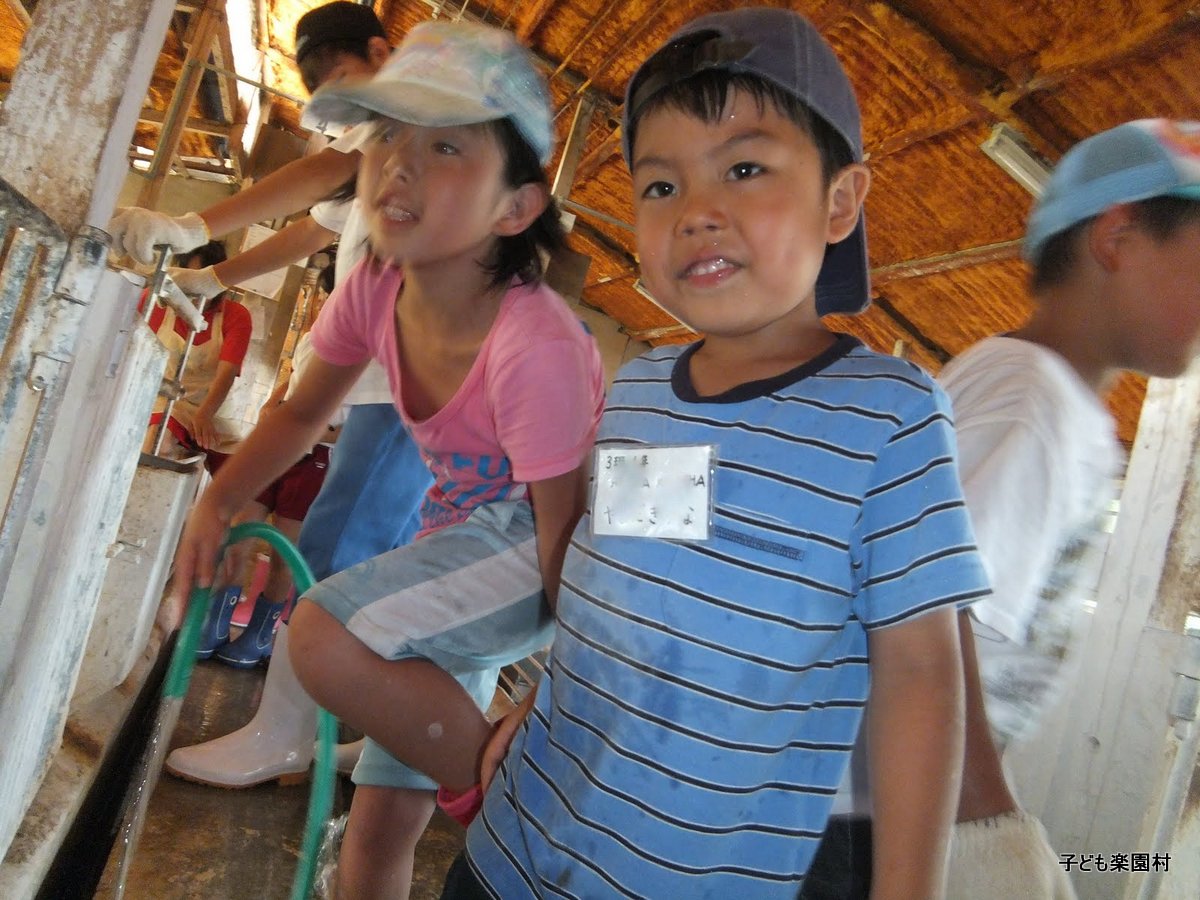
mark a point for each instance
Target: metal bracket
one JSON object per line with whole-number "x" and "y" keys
{"x": 1184, "y": 704}
{"x": 43, "y": 370}
{"x": 118, "y": 547}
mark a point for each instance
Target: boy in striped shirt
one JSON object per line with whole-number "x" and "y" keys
{"x": 705, "y": 687}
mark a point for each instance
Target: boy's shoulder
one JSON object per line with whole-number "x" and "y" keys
{"x": 849, "y": 368}
{"x": 1010, "y": 379}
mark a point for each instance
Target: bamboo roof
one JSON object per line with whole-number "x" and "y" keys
{"x": 933, "y": 77}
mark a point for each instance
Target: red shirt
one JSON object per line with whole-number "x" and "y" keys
{"x": 236, "y": 327}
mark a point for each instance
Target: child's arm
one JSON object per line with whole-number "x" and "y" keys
{"x": 298, "y": 241}
{"x": 557, "y": 505}
{"x": 985, "y": 791}
{"x": 285, "y": 436}
{"x": 203, "y": 432}
{"x": 915, "y": 716}
{"x": 295, "y": 187}
{"x": 502, "y": 737}
{"x": 287, "y": 190}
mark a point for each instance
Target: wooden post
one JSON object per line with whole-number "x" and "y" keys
{"x": 210, "y": 20}
{"x": 68, "y": 120}
{"x": 1100, "y": 772}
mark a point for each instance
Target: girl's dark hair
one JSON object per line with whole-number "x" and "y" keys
{"x": 705, "y": 94}
{"x": 519, "y": 255}
{"x": 1161, "y": 217}
{"x": 316, "y": 65}
{"x": 209, "y": 255}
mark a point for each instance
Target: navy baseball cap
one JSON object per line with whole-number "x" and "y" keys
{"x": 341, "y": 21}
{"x": 1135, "y": 161}
{"x": 784, "y": 49}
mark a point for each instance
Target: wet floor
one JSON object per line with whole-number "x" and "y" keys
{"x": 203, "y": 842}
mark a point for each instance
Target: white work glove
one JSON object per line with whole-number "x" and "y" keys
{"x": 136, "y": 231}
{"x": 202, "y": 283}
{"x": 1003, "y": 858}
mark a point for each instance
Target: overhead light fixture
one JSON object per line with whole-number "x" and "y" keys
{"x": 1008, "y": 149}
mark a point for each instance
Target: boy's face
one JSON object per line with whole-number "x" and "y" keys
{"x": 733, "y": 216}
{"x": 1159, "y": 314}
{"x": 327, "y": 68}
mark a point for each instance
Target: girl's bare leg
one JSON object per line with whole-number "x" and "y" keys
{"x": 413, "y": 709}
{"x": 380, "y": 842}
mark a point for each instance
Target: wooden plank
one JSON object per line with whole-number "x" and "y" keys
{"x": 200, "y": 126}
{"x": 69, "y": 157}
{"x": 531, "y": 17}
{"x": 1096, "y": 780}
{"x": 17, "y": 8}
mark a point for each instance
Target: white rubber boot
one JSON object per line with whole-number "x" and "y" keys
{"x": 346, "y": 756}
{"x": 276, "y": 744}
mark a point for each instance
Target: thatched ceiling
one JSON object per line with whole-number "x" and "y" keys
{"x": 933, "y": 77}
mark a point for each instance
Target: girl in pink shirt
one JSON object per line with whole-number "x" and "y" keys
{"x": 502, "y": 389}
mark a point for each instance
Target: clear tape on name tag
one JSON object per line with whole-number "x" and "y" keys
{"x": 656, "y": 491}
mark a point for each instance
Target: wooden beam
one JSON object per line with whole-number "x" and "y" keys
{"x": 17, "y": 8}
{"x": 531, "y": 18}
{"x": 653, "y": 334}
{"x": 181, "y": 102}
{"x": 599, "y": 155}
{"x": 945, "y": 262}
{"x": 200, "y": 126}
{"x": 223, "y": 57}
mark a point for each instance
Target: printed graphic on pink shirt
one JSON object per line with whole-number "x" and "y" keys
{"x": 462, "y": 483}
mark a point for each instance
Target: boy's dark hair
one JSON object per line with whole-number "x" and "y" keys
{"x": 1161, "y": 217}
{"x": 519, "y": 255}
{"x": 326, "y": 32}
{"x": 705, "y": 94}
{"x": 315, "y": 66}
{"x": 209, "y": 254}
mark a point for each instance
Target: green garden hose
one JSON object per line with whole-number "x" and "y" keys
{"x": 320, "y": 800}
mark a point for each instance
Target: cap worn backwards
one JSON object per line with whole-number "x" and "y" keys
{"x": 1131, "y": 162}
{"x": 447, "y": 73}
{"x": 784, "y": 49}
{"x": 340, "y": 21}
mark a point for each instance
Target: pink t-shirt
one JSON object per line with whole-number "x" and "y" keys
{"x": 526, "y": 411}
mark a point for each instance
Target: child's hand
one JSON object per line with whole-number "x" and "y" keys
{"x": 501, "y": 740}
{"x": 204, "y": 430}
{"x": 195, "y": 558}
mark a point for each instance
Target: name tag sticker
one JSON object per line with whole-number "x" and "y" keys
{"x": 654, "y": 491}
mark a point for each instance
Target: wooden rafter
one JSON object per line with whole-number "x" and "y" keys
{"x": 599, "y": 155}
{"x": 203, "y": 35}
{"x": 19, "y": 11}
{"x": 531, "y": 17}
{"x": 200, "y": 126}
{"x": 945, "y": 262}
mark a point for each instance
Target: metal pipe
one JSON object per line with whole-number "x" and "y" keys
{"x": 156, "y": 280}
{"x": 251, "y": 81}
{"x": 160, "y": 436}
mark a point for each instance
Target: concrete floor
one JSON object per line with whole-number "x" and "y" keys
{"x": 203, "y": 842}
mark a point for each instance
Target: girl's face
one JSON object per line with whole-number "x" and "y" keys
{"x": 433, "y": 195}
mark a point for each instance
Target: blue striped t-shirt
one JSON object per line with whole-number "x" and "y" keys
{"x": 701, "y": 698}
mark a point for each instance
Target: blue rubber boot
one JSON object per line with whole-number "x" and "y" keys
{"x": 253, "y": 645}
{"x": 215, "y": 630}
